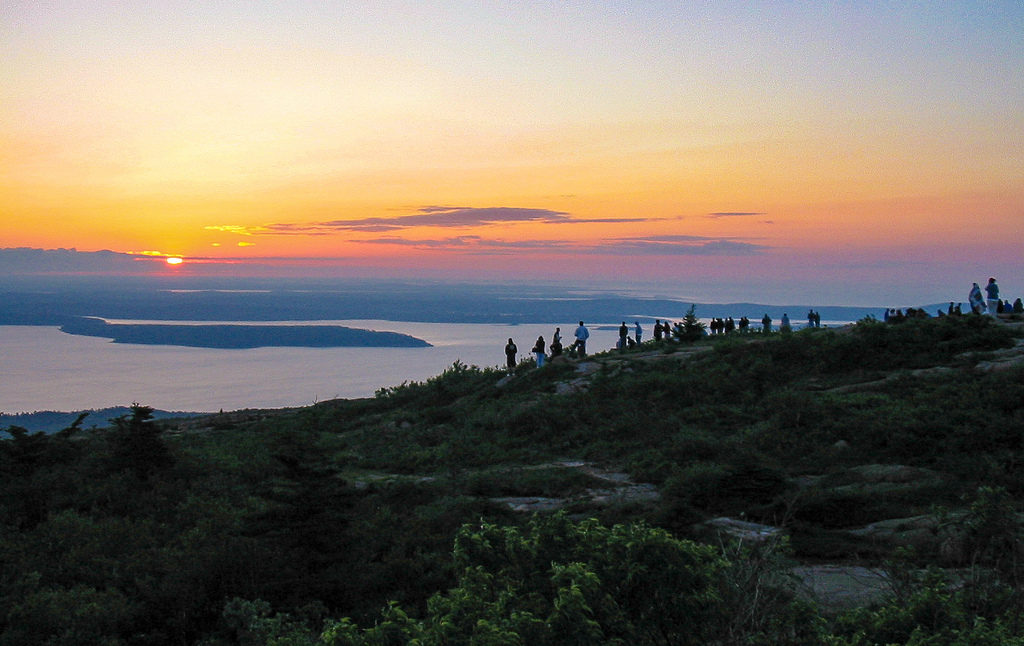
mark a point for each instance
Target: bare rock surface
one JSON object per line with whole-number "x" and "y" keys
{"x": 842, "y": 587}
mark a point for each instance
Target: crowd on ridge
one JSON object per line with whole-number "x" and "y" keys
{"x": 632, "y": 336}
{"x": 666, "y": 331}
{"x": 988, "y": 303}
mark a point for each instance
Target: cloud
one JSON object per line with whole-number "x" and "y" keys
{"x": 733, "y": 214}
{"x": 234, "y": 228}
{"x": 427, "y": 216}
{"x": 687, "y": 247}
{"x": 669, "y": 245}
{"x": 473, "y": 244}
{"x": 24, "y": 261}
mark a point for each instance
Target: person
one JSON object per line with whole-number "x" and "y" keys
{"x": 556, "y": 343}
{"x": 810, "y": 318}
{"x": 975, "y": 299}
{"x": 623, "y": 333}
{"x": 817, "y": 319}
{"x": 784, "y": 326}
{"x": 638, "y": 331}
{"x": 538, "y": 351}
{"x": 730, "y": 325}
{"x": 581, "y": 334}
{"x": 951, "y": 309}
{"x": 992, "y": 291}
{"x": 657, "y": 329}
{"x": 1018, "y": 307}
{"x": 766, "y": 323}
{"x": 744, "y": 324}
{"x": 510, "y": 355}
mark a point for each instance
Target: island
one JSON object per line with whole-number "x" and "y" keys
{"x": 233, "y": 336}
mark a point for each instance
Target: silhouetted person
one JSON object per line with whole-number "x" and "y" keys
{"x": 581, "y": 334}
{"x": 510, "y": 355}
{"x": 623, "y": 333}
{"x": 766, "y": 323}
{"x": 638, "y": 331}
{"x": 556, "y": 343}
{"x": 784, "y": 326}
{"x": 657, "y": 329}
{"x": 538, "y": 351}
{"x": 992, "y": 291}
{"x": 976, "y": 300}
{"x": 730, "y": 325}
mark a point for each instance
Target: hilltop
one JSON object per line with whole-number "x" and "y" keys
{"x": 871, "y": 451}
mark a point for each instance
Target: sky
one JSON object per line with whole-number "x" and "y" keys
{"x": 840, "y": 153}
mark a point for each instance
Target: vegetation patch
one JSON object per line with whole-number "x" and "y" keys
{"x": 300, "y": 526}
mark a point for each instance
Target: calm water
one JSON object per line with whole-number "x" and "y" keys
{"x": 41, "y": 368}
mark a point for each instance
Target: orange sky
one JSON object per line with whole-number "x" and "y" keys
{"x": 735, "y": 142}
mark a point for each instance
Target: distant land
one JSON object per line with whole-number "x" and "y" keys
{"x": 52, "y": 421}
{"x": 55, "y": 302}
{"x": 240, "y": 336}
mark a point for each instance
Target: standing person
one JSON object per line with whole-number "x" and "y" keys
{"x": 784, "y": 326}
{"x": 510, "y": 355}
{"x": 538, "y": 351}
{"x": 638, "y": 331}
{"x": 556, "y": 343}
{"x": 992, "y": 290}
{"x": 657, "y": 330}
{"x": 975, "y": 299}
{"x": 581, "y": 334}
{"x": 766, "y": 323}
{"x": 623, "y": 333}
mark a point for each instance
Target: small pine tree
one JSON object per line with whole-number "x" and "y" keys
{"x": 136, "y": 444}
{"x": 692, "y": 328}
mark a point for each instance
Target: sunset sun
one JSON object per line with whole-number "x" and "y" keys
{"x": 174, "y": 260}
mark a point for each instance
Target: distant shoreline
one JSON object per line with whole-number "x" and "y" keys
{"x": 240, "y": 337}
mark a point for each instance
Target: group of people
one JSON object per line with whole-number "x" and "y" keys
{"x": 662, "y": 331}
{"x": 539, "y": 350}
{"x": 991, "y": 303}
{"x": 980, "y": 301}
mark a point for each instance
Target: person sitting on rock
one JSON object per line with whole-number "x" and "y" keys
{"x": 556, "y": 343}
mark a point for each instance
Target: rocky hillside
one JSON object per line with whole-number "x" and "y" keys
{"x": 849, "y": 442}
{"x": 771, "y": 482}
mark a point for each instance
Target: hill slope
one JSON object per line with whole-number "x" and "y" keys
{"x": 847, "y": 443}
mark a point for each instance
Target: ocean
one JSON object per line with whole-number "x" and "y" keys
{"x": 42, "y": 368}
